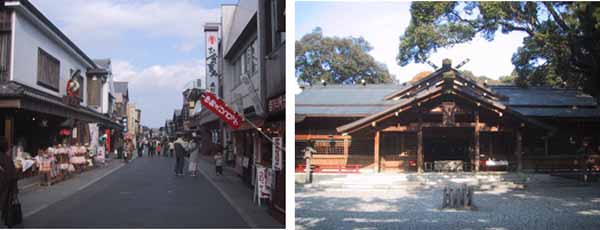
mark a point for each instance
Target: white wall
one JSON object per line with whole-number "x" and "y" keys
{"x": 27, "y": 40}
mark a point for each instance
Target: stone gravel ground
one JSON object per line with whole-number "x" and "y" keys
{"x": 418, "y": 207}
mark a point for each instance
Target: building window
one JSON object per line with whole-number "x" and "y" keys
{"x": 48, "y": 72}
{"x": 94, "y": 91}
{"x": 246, "y": 63}
{"x": 329, "y": 147}
{"x": 277, "y": 23}
{"x": 4, "y": 55}
{"x": 237, "y": 72}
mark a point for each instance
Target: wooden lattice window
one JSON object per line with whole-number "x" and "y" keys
{"x": 48, "y": 72}
{"x": 329, "y": 146}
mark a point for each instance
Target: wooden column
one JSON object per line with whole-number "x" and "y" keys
{"x": 376, "y": 148}
{"x": 346, "y": 148}
{"x": 8, "y": 130}
{"x": 519, "y": 150}
{"x": 401, "y": 143}
{"x": 420, "y": 146}
{"x": 477, "y": 153}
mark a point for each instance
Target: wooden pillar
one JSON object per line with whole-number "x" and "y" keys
{"x": 401, "y": 143}
{"x": 477, "y": 153}
{"x": 9, "y": 130}
{"x": 346, "y": 147}
{"x": 376, "y": 148}
{"x": 420, "y": 146}
{"x": 519, "y": 150}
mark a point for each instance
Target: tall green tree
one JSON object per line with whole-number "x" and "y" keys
{"x": 337, "y": 60}
{"x": 561, "y": 47}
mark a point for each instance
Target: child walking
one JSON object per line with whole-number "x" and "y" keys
{"x": 219, "y": 163}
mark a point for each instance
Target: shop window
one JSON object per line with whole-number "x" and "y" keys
{"x": 48, "y": 70}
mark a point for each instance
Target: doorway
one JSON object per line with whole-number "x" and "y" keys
{"x": 447, "y": 148}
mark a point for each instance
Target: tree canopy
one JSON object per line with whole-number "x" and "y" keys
{"x": 561, "y": 47}
{"x": 337, "y": 60}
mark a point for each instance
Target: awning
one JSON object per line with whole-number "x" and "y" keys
{"x": 35, "y": 100}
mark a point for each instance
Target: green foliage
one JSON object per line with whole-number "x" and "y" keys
{"x": 337, "y": 60}
{"x": 480, "y": 79}
{"x": 561, "y": 47}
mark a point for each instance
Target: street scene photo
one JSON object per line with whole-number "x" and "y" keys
{"x": 142, "y": 114}
{"x": 447, "y": 115}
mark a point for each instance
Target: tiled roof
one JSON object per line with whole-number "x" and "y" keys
{"x": 543, "y": 96}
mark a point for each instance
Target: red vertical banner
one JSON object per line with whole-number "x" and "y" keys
{"x": 218, "y": 107}
{"x": 107, "y": 131}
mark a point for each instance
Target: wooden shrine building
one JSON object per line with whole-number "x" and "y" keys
{"x": 445, "y": 117}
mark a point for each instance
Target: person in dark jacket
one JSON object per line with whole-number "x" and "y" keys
{"x": 8, "y": 179}
{"x": 180, "y": 152}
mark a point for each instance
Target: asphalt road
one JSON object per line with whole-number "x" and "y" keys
{"x": 143, "y": 194}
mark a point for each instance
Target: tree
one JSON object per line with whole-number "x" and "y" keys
{"x": 561, "y": 47}
{"x": 480, "y": 79}
{"x": 337, "y": 60}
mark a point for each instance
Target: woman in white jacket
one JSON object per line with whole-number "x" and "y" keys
{"x": 194, "y": 147}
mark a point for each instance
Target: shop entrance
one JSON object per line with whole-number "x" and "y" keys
{"x": 447, "y": 149}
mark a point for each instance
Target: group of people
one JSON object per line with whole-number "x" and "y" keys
{"x": 192, "y": 149}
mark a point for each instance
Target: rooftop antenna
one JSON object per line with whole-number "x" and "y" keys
{"x": 431, "y": 64}
{"x": 462, "y": 63}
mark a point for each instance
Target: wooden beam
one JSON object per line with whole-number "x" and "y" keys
{"x": 9, "y": 130}
{"x": 305, "y": 137}
{"x": 519, "y": 150}
{"x": 477, "y": 149}
{"x": 376, "y": 149}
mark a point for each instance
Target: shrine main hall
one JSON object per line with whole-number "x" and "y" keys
{"x": 445, "y": 121}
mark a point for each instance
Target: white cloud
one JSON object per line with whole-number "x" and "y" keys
{"x": 158, "y": 77}
{"x": 107, "y": 21}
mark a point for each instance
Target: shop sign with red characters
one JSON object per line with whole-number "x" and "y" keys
{"x": 217, "y": 106}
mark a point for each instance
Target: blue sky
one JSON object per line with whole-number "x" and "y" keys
{"x": 382, "y": 23}
{"x": 156, "y": 45}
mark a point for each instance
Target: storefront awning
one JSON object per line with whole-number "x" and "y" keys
{"x": 19, "y": 96}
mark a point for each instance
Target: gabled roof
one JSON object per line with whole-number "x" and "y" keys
{"x": 446, "y": 83}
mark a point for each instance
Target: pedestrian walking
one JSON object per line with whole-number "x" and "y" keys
{"x": 194, "y": 158}
{"x": 179, "y": 146}
{"x": 9, "y": 202}
{"x": 158, "y": 149}
{"x": 171, "y": 148}
{"x": 219, "y": 163}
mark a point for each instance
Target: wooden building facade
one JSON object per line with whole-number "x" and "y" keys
{"x": 446, "y": 116}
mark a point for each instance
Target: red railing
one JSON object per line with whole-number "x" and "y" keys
{"x": 330, "y": 168}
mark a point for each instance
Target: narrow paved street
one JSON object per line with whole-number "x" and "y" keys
{"x": 142, "y": 194}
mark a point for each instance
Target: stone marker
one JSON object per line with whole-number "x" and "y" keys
{"x": 458, "y": 196}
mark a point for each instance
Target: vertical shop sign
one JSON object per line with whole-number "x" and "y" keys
{"x": 262, "y": 178}
{"x": 277, "y": 153}
{"x": 211, "y": 33}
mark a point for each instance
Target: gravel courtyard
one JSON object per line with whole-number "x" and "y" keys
{"x": 418, "y": 207}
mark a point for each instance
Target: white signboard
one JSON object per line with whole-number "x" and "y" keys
{"x": 262, "y": 178}
{"x": 277, "y": 153}
{"x": 212, "y": 58}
